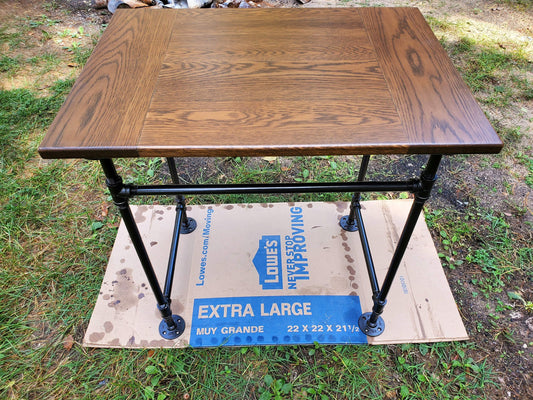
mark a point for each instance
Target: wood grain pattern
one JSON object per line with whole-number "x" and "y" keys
{"x": 269, "y": 128}
{"x": 104, "y": 113}
{"x": 437, "y": 109}
{"x": 268, "y": 82}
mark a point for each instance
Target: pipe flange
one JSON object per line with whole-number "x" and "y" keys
{"x": 170, "y": 334}
{"x": 189, "y": 226}
{"x": 371, "y": 330}
{"x": 346, "y": 225}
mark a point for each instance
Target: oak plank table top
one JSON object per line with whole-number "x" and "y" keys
{"x": 229, "y": 82}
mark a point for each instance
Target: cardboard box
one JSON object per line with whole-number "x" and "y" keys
{"x": 282, "y": 273}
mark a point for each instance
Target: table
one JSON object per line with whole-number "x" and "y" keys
{"x": 268, "y": 82}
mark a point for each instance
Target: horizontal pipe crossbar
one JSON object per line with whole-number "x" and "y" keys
{"x": 412, "y": 186}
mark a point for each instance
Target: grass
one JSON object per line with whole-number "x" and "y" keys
{"x": 298, "y": 372}
{"x": 527, "y": 160}
{"x": 519, "y": 4}
{"x": 492, "y": 60}
{"x": 496, "y": 254}
{"x": 9, "y": 64}
{"x": 57, "y": 228}
{"x": 493, "y": 71}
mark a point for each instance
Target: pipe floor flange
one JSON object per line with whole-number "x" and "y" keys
{"x": 371, "y": 330}
{"x": 189, "y": 227}
{"x": 345, "y": 224}
{"x": 172, "y": 334}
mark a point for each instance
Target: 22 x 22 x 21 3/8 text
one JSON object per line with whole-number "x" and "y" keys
{"x": 322, "y": 328}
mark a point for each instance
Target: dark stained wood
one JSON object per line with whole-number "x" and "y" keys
{"x": 268, "y": 82}
{"x": 283, "y": 83}
{"x": 436, "y": 107}
{"x": 104, "y": 113}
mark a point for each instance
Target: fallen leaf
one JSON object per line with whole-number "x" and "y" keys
{"x": 68, "y": 342}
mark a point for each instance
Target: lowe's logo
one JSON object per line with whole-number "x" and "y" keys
{"x": 267, "y": 262}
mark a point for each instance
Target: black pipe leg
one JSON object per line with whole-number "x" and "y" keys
{"x": 188, "y": 224}
{"x": 366, "y": 251}
{"x": 172, "y": 326}
{"x": 372, "y": 323}
{"x": 173, "y": 254}
{"x": 348, "y": 222}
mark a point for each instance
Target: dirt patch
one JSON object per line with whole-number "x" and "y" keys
{"x": 49, "y": 41}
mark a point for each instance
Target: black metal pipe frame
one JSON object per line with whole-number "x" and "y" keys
{"x": 173, "y": 253}
{"x": 182, "y": 224}
{"x": 354, "y": 222}
{"x": 356, "y": 198}
{"x": 171, "y": 325}
{"x": 366, "y": 251}
{"x": 370, "y": 323}
{"x": 188, "y": 224}
{"x": 174, "y": 190}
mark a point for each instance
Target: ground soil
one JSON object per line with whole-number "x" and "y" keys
{"x": 509, "y": 358}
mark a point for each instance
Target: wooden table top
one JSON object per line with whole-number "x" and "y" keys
{"x": 229, "y": 82}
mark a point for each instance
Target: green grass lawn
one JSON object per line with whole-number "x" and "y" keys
{"x": 57, "y": 228}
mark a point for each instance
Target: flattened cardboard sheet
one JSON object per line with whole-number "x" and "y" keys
{"x": 282, "y": 273}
